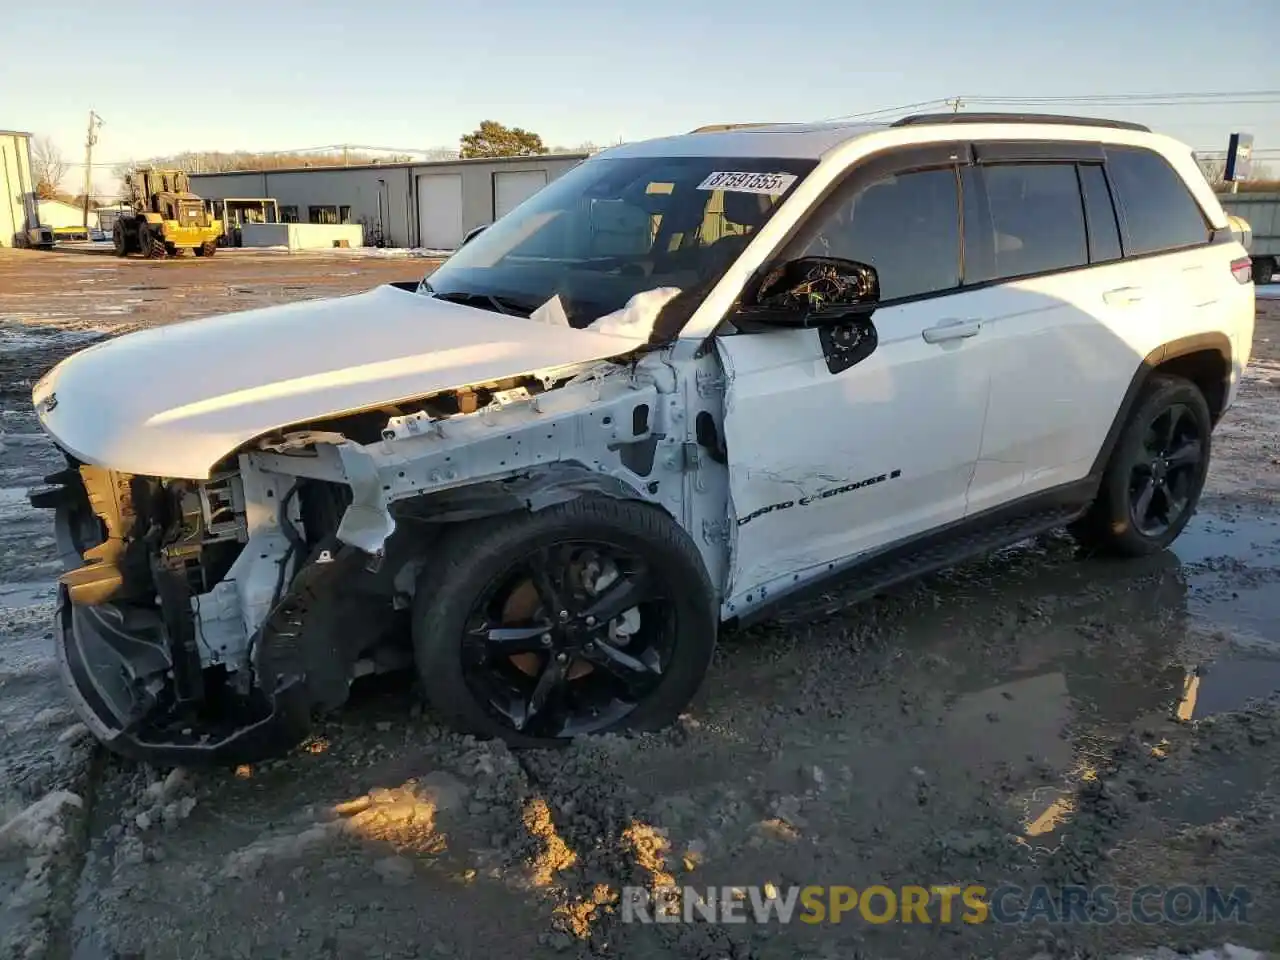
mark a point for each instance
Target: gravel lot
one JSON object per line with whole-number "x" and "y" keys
{"x": 1037, "y": 717}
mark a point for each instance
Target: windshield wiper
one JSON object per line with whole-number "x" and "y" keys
{"x": 505, "y": 305}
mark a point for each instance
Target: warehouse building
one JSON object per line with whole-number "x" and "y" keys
{"x": 431, "y": 205}
{"x": 18, "y": 213}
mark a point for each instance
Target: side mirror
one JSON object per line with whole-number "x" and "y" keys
{"x": 813, "y": 292}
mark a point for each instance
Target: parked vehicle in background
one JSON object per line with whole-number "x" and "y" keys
{"x": 1262, "y": 212}
{"x": 166, "y": 217}
{"x": 689, "y": 380}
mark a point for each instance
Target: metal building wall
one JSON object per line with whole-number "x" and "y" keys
{"x": 17, "y": 191}
{"x": 396, "y": 184}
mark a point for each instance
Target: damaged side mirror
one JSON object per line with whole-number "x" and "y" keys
{"x": 813, "y": 292}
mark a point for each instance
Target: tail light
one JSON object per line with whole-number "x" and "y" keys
{"x": 1242, "y": 270}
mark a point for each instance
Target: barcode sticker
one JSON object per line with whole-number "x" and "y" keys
{"x": 770, "y": 184}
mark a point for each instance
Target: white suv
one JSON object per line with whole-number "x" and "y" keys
{"x": 690, "y": 379}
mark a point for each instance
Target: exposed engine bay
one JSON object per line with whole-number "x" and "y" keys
{"x": 207, "y": 620}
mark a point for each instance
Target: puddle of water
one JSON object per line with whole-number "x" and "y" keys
{"x": 1227, "y": 685}
{"x": 1248, "y": 538}
{"x": 1253, "y": 611}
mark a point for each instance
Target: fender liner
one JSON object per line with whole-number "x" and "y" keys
{"x": 1181, "y": 347}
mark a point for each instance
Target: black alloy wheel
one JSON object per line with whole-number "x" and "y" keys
{"x": 1163, "y": 476}
{"x": 1155, "y": 474}
{"x": 590, "y": 616}
{"x": 569, "y": 640}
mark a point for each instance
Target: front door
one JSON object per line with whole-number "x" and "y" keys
{"x": 829, "y": 463}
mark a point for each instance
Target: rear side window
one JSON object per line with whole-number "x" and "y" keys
{"x": 1037, "y": 218}
{"x": 907, "y": 226}
{"x": 1158, "y": 212}
{"x": 1104, "y": 232}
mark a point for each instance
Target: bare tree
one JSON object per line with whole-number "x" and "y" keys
{"x": 49, "y": 166}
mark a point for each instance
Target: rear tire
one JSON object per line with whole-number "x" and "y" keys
{"x": 120, "y": 240}
{"x": 153, "y": 247}
{"x": 1263, "y": 269}
{"x": 1156, "y": 473}
{"x": 471, "y": 677}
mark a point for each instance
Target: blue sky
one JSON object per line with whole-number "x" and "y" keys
{"x": 281, "y": 74}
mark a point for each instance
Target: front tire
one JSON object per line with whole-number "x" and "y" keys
{"x": 591, "y": 616}
{"x": 207, "y": 249}
{"x": 1156, "y": 473}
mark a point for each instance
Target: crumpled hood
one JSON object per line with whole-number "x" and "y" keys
{"x": 172, "y": 401}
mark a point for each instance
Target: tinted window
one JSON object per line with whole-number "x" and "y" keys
{"x": 614, "y": 227}
{"x": 1159, "y": 213}
{"x": 1037, "y": 218}
{"x": 1104, "y": 234}
{"x": 906, "y": 226}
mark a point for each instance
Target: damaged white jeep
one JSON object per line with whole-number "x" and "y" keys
{"x": 685, "y": 381}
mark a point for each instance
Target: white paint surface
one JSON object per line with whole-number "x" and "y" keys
{"x": 440, "y": 210}
{"x": 172, "y": 401}
{"x": 795, "y": 432}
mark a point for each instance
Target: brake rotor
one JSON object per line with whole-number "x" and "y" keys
{"x": 521, "y": 606}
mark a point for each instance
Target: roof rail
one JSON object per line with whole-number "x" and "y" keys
{"x": 920, "y": 119}
{"x": 713, "y": 127}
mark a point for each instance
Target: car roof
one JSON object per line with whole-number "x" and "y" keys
{"x": 812, "y": 141}
{"x": 784, "y": 140}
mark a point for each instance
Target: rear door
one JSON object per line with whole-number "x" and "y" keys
{"x": 1056, "y": 318}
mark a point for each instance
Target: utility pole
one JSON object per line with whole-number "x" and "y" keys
{"x": 956, "y": 103}
{"x": 95, "y": 122}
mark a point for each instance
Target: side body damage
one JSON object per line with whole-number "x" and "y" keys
{"x": 205, "y": 621}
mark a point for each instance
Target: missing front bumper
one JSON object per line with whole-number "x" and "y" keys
{"x": 113, "y": 660}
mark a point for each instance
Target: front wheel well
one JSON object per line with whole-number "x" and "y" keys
{"x": 1209, "y": 369}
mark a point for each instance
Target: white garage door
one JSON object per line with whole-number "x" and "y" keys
{"x": 512, "y": 189}
{"x": 440, "y": 210}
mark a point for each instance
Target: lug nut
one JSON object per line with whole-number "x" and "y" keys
{"x": 562, "y": 658}
{"x": 546, "y": 639}
{"x": 589, "y": 647}
{"x": 564, "y": 615}
{"x": 591, "y": 621}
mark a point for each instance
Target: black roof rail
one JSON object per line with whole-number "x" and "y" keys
{"x": 921, "y": 119}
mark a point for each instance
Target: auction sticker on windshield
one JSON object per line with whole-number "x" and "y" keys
{"x": 771, "y": 184}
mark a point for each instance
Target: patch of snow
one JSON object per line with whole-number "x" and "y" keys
{"x": 40, "y": 828}
{"x": 1228, "y": 951}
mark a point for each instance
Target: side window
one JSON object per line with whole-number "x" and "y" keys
{"x": 1158, "y": 211}
{"x": 1037, "y": 218}
{"x": 907, "y": 226}
{"x": 1104, "y": 232}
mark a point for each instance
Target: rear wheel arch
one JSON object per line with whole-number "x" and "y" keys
{"x": 1203, "y": 358}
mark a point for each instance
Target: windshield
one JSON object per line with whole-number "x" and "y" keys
{"x": 611, "y": 228}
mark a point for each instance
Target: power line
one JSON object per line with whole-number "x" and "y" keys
{"x": 940, "y": 101}
{"x": 1130, "y": 97}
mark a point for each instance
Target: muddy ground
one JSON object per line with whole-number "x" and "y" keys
{"x": 1037, "y": 717}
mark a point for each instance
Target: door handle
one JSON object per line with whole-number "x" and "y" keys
{"x": 1123, "y": 296}
{"x": 951, "y": 330}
